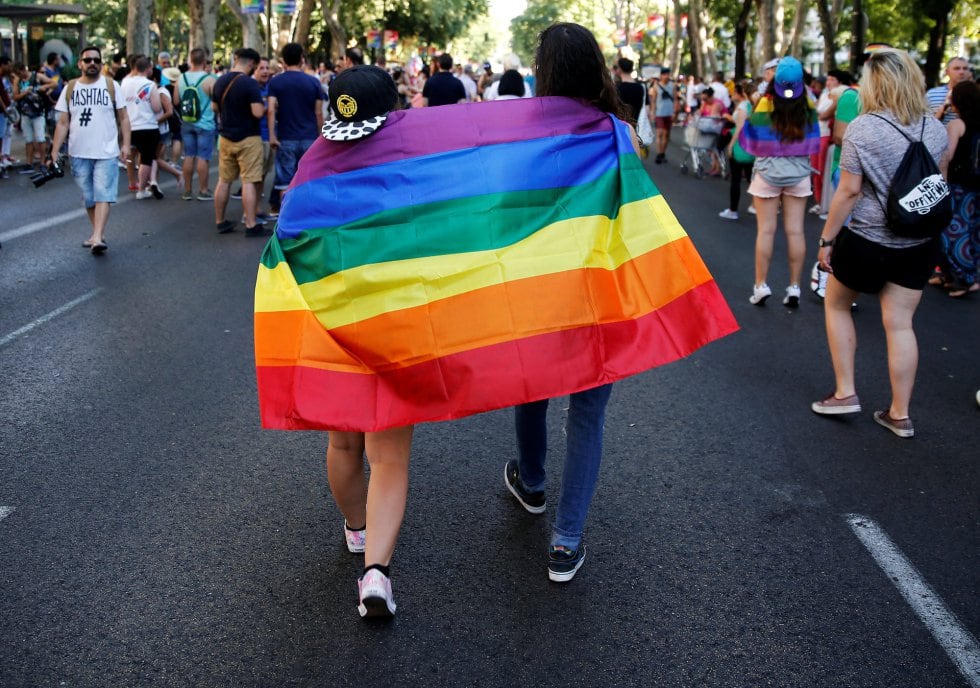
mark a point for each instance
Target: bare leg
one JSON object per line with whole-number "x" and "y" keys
{"x": 898, "y": 305}
{"x": 203, "y": 170}
{"x": 220, "y": 200}
{"x": 345, "y": 473}
{"x": 841, "y": 336}
{"x": 144, "y": 175}
{"x": 765, "y": 209}
{"x": 249, "y": 202}
{"x": 188, "y": 170}
{"x": 388, "y": 453}
{"x": 794, "y": 211}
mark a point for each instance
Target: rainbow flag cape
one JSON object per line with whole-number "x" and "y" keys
{"x": 759, "y": 139}
{"x": 471, "y": 257}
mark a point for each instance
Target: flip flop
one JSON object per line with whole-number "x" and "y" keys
{"x": 88, "y": 243}
{"x": 99, "y": 248}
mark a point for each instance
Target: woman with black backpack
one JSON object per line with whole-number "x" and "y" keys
{"x": 879, "y": 252}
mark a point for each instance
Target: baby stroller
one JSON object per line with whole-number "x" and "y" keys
{"x": 701, "y": 137}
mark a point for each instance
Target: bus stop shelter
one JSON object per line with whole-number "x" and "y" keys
{"x": 40, "y": 28}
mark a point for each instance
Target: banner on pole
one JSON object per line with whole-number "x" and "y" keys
{"x": 253, "y": 7}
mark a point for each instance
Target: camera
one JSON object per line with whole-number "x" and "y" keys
{"x": 47, "y": 174}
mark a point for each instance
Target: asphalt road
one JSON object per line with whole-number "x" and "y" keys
{"x": 151, "y": 534}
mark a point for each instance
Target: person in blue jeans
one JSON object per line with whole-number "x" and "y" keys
{"x": 295, "y": 115}
{"x": 568, "y": 63}
{"x": 525, "y": 477}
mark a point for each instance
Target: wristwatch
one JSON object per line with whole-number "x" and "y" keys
{"x": 825, "y": 242}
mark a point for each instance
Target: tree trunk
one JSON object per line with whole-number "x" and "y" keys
{"x": 829, "y": 30}
{"x": 937, "y": 44}
{"x": 338, "y": 36}
{"x": 778, "y": 17}
{"x": 708, "y": 42}
{"x": 767, "y": 34}
{"x": 284, "y": 33}
{"x": 250, "y": 27}
{"x": 138, "y": 17}
{"x": 303, "y": 21}
{"x": 675, "y": 45}
{"x": 741, "y": 33}
{"x": 858, "y": 25}
{"x": 204, "y": 23}
{"x": 799, "y": 24}
{"x": 694, "y": 37}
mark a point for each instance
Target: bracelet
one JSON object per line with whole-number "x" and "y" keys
{"x": 825, "y": 242}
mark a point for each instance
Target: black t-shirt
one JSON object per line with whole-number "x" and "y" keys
{"x": 442, "y": 88}
{"x": 631, "y": 93}
{"x": 235, "y": 120}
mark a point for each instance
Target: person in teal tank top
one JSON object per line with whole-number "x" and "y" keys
{"x": 198, "y": 136}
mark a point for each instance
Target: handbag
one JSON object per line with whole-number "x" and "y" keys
{"x": 12, "y": 113}
{"x": 644, "y": 130}
{"x": 709, "y": 125}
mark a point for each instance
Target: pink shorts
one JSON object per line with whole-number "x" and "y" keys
{"x": 763, "y": 189}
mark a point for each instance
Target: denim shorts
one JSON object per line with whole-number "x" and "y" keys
{"x": 198, "y": 143}
{"x": 98, "y": 179}
{"x": 3, "y": 125}
{"x": 287, "y": 160}
{"x": 33, "y": 128}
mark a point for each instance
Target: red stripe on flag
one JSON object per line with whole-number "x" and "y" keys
{"x": 497, "y": 376}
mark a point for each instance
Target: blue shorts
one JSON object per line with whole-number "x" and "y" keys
{"x": 98, "y": 179}
{"x": 198, "y": 143}
{"x": 3, "y": 125}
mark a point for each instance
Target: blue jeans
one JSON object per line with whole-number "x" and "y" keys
{"x": 583, "y": 454}
{"x": 98, "y": 179}
{"x": 287, "y": 160}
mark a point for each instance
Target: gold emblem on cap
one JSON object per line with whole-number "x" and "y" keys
{"x": 346, "y": 105}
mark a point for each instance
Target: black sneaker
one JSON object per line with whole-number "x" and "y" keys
{"x": 534, "y": 502}
{"x": 226, "y": 226}
{"x": 258, "y": 230}
{"x": 237, "y": 193}
{"x": 564, "y": 563}
{"x": 155, "y": 190}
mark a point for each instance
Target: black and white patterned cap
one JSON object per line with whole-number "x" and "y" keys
{"x": 360, "y": 99}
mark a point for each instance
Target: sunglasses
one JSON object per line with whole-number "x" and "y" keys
{"x": 92, "y": 60}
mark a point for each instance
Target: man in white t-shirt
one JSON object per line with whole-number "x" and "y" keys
{"x": 145, "y": 113}
{"x": 94, "y": 115}
{"x": 512, "y": 61}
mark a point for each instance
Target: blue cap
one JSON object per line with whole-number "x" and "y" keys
{"x": 788, "y": 81}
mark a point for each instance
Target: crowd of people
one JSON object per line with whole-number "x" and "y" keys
{"x": 790, "y": 135}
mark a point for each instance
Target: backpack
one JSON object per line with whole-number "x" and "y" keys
{"x": 190, "y": 100}
{"x": 919, "y": 204}
{"x": 31, "y": 104}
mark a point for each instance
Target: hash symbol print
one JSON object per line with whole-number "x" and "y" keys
{"x": 85, "y": 117}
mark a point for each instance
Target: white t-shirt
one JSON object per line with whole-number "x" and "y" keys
{"x": 722, "y": 94}
{"x": 823, "y": 104}
{"x": 92, "y": 131}
{"x": 490, "y": 92}
{"x": 136, "y": 90}
{"x": 164, "y": 124}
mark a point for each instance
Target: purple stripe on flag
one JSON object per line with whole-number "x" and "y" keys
{"x": 452, "y": 127}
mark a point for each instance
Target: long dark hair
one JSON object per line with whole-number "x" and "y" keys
{"x": 966, "y": 97}
{"x": 568, "y": 63}
{"x": 790, "y": 117}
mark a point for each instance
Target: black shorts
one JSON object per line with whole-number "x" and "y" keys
{"x": 146, "y": 142}
{"x": 865, "y": 266}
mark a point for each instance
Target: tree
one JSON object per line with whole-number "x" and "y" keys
{"x": 204, "y": 22}
{"x": 138, "y": 24}
{"x": 338, "y": 35}
{"x": 250, "y": 27}
{"x": 303, "y": 22}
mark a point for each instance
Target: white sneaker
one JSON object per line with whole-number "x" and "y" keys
{"x": 355, "y": 539}
{"x": 727, "y": 214}
{"x": 374, "y": 595}
{"x": 140, "y": 195}
{"x": 818, "y": 280}
{"x": 792, "y": 298}
{"x": 815, "y": 210}
{"x": 752, "y": 210}
{"x": 760, "y": 293}
{"x": 822, "y": 216}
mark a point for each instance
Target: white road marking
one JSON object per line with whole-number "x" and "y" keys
{"x": 5, "y": 511}
{"x": 954, "y": 638}
{"x": 65, "y": 217}
{"x": 49, "y": 316}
